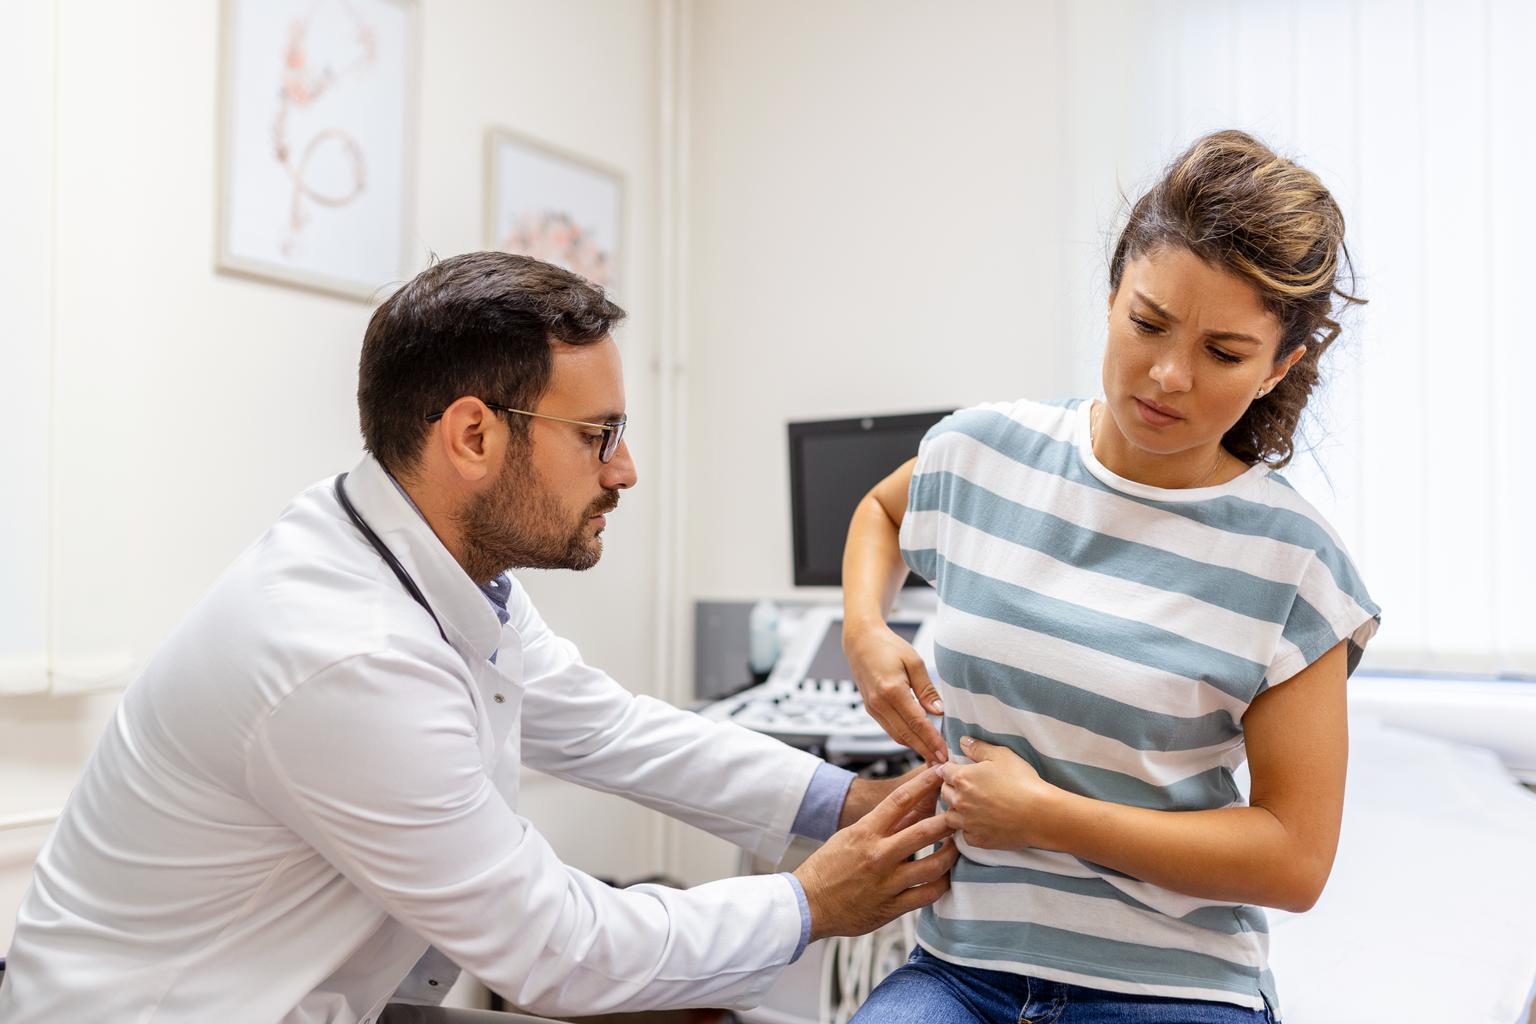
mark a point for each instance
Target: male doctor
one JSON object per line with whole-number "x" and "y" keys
{"x": 315, "y": 779}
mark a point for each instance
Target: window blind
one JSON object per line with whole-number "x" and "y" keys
{"x": 1416, "y": 115}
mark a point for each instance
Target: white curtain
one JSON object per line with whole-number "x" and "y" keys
{"x": 1417, "y": 114}
{"x": 26, "y": 257}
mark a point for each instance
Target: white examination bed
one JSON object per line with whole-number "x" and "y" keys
{"x": 1430, "y": 914}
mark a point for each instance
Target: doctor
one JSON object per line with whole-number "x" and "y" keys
{"x": 315, "y": 778}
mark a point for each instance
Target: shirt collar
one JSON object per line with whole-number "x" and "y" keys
{"x": 459, "y": 603}
{"x": 495, "y": 590}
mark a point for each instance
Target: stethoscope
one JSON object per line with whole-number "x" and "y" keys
{"x": 386, "y": 554}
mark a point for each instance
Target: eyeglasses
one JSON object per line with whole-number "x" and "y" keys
{"x": 613, "y": 432}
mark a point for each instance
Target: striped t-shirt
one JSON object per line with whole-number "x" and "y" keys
{"x": 1112, "y": 634}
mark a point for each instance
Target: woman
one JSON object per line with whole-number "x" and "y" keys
{"x": 1123, "y": 587}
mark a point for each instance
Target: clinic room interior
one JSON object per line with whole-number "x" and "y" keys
{"x": 831, "y": 224}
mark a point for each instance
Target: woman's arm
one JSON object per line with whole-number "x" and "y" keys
{"x": 872, "y": 564}
{"x": 1276, "y": 852}
{"x": 889, "y": 673}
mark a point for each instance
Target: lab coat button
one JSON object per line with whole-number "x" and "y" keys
{"x": 500, "y": 699}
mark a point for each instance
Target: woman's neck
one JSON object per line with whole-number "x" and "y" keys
{"x": 1205, "y": 466}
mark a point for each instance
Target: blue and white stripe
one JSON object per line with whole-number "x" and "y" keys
{"x": 1112, "y": 634}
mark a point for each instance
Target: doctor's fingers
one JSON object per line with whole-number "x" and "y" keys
{"x": 916, "y": 838}
{"x": 919, "y": 896}
{"x": 926, "y": 869}
{"x": 926, "y": 809}
{"x": 886, "y": 816}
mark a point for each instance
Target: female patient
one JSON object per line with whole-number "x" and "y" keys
{"x": 1131, "y": 603}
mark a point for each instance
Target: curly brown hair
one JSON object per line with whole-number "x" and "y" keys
{"x": 1239, "y": 206}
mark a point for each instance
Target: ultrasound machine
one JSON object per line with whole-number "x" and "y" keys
{"x": 809, "y": 699}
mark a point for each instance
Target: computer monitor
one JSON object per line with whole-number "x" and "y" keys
{"x": 832, "y": 465}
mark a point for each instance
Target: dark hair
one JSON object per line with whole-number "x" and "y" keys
{"x": 1236, "y": 204}
{"x": 478, "y": 324}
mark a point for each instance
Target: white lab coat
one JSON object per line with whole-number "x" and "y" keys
{"x": 307, "y": 787}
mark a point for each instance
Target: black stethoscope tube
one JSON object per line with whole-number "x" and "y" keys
{"x": 388, "y": 556}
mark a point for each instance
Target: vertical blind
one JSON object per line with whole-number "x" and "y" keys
{"x": 1417, "y": 116}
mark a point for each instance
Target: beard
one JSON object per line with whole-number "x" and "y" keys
{"x": 516, "y": 524}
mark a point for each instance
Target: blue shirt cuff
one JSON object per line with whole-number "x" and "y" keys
{"x": 805, "y": 915}
{"x": 823, "y": 802}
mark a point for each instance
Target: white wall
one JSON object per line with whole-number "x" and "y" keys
{"x": 26, "y": 262}
{"x": 875, "y": 223}
{"x": 188, "y": 407}
{"x": 874, "y": 228}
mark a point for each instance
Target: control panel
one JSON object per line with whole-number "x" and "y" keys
{"x": 810, "y": 699}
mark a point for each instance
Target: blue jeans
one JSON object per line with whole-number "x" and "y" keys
{"x": 927, "y": 990}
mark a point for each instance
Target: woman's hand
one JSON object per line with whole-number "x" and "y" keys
{"x": 893, "y": 679}
{"x": 999, "y": 802}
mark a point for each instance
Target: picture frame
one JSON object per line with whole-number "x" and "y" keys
{"x": 549, "y": 203}
{"x": 316, "y": 170}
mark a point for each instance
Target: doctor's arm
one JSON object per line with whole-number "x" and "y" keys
{"x": 1278, "y": 851}
{"x": 579, "y": 724}
{"x": 377, "y": 764}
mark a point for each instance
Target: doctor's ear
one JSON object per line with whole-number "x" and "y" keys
{"x": 467, "y": 438}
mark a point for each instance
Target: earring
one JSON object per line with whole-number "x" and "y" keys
{"x": 1260, "y": 394}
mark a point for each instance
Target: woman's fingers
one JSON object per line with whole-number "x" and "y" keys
{"x": 894, "y": 707}
{"x": 895, "y": 728}
{"x": 928, "y": 743}
{"x": 927, "y": 693}
{"x": 897, "y": 692}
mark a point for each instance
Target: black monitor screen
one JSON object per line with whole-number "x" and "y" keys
{"x": 832, "y": 465}
{"x": 829, "y": 661}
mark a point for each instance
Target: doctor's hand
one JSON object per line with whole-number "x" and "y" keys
{"x": 862, "y": 878}
{"x": 865, "y": 794}
{"x": 894, "y": 683}
{"x": 999, "y": 802}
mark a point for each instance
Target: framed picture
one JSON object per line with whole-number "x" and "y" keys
{"x": 317, "y": 116}
{"x": 554, "y": 206}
